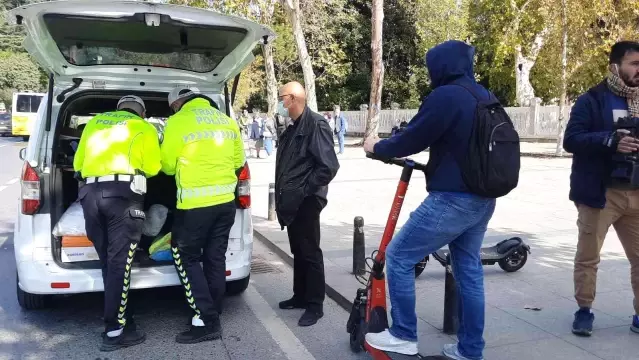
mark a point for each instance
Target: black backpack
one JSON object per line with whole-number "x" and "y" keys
{"x": 490, "y": 168}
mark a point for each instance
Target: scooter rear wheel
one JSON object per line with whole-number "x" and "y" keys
{"x": 356, "y": 339}
{"x": 514, "y": 261}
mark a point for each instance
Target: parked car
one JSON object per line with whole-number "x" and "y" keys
{"x": 5, "y": 124}
{"x": 95, "y": 56}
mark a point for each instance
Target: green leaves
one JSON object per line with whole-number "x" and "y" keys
{"x": 18, "y": 72}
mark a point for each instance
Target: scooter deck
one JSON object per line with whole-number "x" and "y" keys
{"x": 395, "y": 356}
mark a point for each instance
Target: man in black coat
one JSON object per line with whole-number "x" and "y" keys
{"x": 305, "y": 165}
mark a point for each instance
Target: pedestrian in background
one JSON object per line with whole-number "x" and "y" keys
{"x": 305, "y": 165}
{"x": 602, "y": 200}
{"x": 267, "y": 130}
{"x": 256, "y": 136}
{"x": 341, "y": 125}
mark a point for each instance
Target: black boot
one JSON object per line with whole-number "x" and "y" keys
{"x": 212, "y": 330}
{"x": 310, "y": 317}
{"x": 130, "y": 336}
{"x": 292, "y": 303}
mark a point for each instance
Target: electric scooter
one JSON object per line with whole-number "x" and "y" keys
{"x": 510, "y": 254}
{"x": 369, "y": 307}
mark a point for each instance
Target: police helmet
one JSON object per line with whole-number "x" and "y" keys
{"x": 131, "y": 99}
{"x": 181, "y": 93}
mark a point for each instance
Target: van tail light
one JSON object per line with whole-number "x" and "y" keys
{"x": 30, "y": 190}
{"x": 244, "y": 188}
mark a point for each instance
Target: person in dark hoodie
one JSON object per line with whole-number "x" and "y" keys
{"x": 601, "y": 199}
{"x": 450, "y": 214}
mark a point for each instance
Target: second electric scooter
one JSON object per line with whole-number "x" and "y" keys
{"x": 510, "y": 254}
{"x": 368, "y": 314}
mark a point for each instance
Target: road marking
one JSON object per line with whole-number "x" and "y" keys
{"x": 283, "y": 336}
{"x": 3, "y": 145}
{"x": 2, "y": 188}
{"x": 12, "y": 181}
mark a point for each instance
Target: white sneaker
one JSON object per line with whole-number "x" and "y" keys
{"x": 451, "y": 351}
{"x": 386, "y": 342}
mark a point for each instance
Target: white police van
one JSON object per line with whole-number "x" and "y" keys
{"x": 97, "y": 51}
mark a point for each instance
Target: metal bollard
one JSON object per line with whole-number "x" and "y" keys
{"x": 359, "y": 246}
{"x": 271, "y": 202}
{"x": 451, "y": 316}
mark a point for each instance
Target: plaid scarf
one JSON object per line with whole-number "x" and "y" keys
{"x": 617, "y": 86}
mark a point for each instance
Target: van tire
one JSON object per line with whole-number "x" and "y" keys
{"x": 29, "y": 301}
{"x": 238, "y": 286}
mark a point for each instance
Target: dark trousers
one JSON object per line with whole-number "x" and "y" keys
{"x": 203, "y": 234}
{"x": 113, "y": 217}
{"x": 308, "y": 260}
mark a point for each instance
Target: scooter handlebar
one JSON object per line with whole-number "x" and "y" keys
{"x": 403, "y": 162}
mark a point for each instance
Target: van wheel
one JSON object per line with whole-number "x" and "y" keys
{"x": 29, "y": 301}
{"x": 238, "y": 286}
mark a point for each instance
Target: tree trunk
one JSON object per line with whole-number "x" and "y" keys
{"x": 293, "y": 10}
{"x": 271, "y": 81}
{"x": 377, "y": 76}
{"x": 564, "y": 79}
{"x": 523, "y": 66}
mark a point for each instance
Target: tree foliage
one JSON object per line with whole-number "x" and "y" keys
{"x": 338, "y": 37}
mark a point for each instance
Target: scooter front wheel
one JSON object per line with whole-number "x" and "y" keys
{"x": 514, "y": 261}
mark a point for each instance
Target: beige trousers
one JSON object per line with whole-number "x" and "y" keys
{"x": 622, "y": 212}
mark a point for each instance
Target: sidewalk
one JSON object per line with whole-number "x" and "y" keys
{"x": 538, "y": 211}
{"x": 528, "y": 149}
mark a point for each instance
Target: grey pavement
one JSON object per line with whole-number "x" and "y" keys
{"x": 542, "y": 149}
{"x": 538, "y": 211}
{"x": 254, "y": 328}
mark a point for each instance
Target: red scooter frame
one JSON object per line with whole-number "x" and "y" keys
{"x": 369, "y": 307}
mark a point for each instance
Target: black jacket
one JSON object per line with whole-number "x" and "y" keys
{"x": 305, "y": 164}
{"x": 589, "y": 138}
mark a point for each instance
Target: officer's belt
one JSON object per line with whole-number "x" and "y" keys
{"x": 107, "y": 178}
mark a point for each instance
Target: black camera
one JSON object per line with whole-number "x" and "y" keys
{"x": 626, "y": 166}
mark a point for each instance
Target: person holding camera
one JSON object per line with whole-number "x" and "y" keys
{"x": 601, "y": 148}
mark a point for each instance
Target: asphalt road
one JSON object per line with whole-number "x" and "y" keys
{"x": 253, "y": 326}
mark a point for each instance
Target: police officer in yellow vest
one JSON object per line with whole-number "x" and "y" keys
{"x": 203, "y": 148}
{"x": 117, "y": 151}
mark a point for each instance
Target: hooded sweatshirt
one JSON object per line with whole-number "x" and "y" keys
{"x": 444, "y": 120}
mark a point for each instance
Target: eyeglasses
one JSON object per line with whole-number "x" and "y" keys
{"x": 282, "y": 96}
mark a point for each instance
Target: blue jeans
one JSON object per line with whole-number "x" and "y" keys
{"x": 340, "y": 140}
{"x": 458, "y": 220}
{"x": 268, "y": 145}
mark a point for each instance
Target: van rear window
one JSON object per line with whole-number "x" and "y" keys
{"x": 87, "y": 41}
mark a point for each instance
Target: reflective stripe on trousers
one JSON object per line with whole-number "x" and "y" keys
{"x": 126, "y": 285}
{"x": 185, "y": 280}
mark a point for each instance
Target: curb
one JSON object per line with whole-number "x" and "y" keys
{"x": 330, "y": 291}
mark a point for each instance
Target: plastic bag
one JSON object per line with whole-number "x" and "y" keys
{"x": 72, "y": 222}
{"x": 161, "y": 244}
{"x": 155, "y": 219}
{"x": 163, "y": 255}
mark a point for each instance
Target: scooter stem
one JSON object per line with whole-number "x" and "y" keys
{"x": 396, "y": 208}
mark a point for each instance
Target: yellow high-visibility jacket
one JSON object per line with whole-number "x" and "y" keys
{"x": 118, "y": 142}
{"x": 203, "y": 148}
